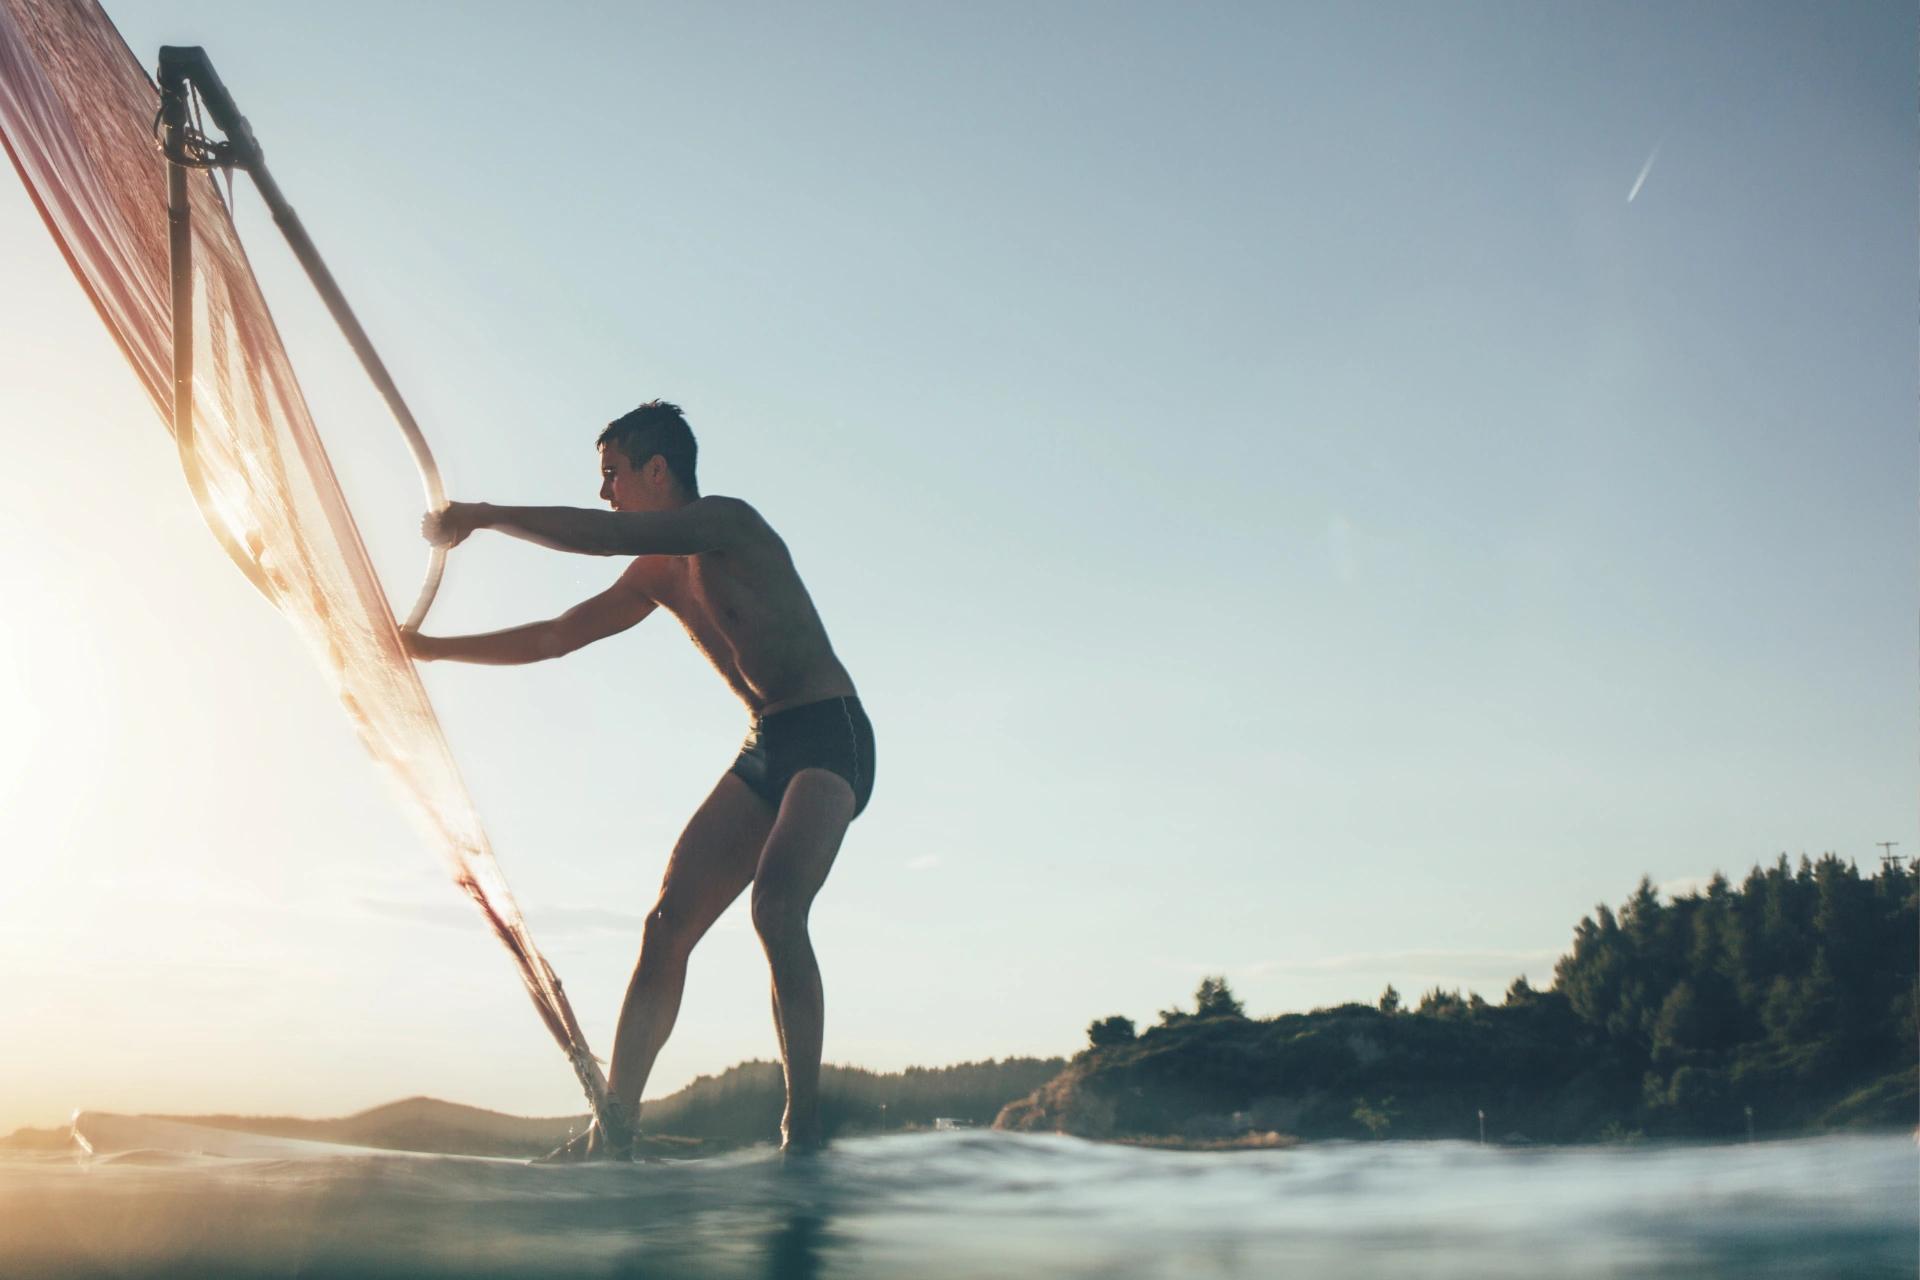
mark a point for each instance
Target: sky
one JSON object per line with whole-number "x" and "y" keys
{"x": 1318, "y": 494}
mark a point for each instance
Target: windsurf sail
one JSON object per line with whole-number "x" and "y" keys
{"x": 79, "y": 119}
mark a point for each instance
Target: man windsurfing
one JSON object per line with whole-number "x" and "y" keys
{"x": 776, "y": 818}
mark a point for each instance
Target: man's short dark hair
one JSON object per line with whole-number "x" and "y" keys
{"x": 657, "y": 427}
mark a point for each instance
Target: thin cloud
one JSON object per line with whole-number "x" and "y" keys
{"x": 1474, "y": 964}
{"x": 1645, "y": 169}
{"x": 1257, "y": 969}
{"x": 553, "y": 921}
{"x": 1487, "y": 964}
{"x": 590, "y": 920}
{"x": 444, "y": 915}
{"x": 925, "y": 862}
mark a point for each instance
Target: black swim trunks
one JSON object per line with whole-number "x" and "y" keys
{"x": 834, "y": 735}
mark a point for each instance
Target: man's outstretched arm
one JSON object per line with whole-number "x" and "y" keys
{"x": 609, "y": 613}
{"x": 705, "y": 524}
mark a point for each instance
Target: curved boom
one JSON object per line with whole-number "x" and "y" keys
{"x": 184, "y": 65}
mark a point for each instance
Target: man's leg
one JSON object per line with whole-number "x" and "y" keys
{"x": 712, "y": 862}
{"x": 799, "y": 852}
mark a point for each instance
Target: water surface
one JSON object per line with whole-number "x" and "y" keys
{"x": 976, "y": 1204}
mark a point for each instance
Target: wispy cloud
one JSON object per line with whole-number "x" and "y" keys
{"x": 1645, "y": 169}
{"x": 450, "y": 914}
{"x": 925, "y": 862}
{"x": 1450, "y": 965}
{"x": 590, "y": 920}
{"x": 1467, "y": 963}
{"x": 1254, "y": 969}
{"x": 548, "y": 921}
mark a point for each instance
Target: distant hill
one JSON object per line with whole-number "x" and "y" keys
{"x": 739, "y": 1106}
{"x": 37, "y": 1140}
{"x": 1789, "y": 1004}
{"x": 414, "y": 1124}
{"x": 411, "y": 1124}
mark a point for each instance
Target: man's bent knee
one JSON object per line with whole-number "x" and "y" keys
{"x": 668, "y": 933}
{"x": 779, "y": 918}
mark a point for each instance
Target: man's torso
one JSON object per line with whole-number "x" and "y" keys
{"x": 746, "y": 609}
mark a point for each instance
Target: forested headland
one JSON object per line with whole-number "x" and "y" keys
{"x": 1781, "y": 1005}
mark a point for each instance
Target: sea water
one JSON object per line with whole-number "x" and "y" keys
{"x": 970, "y": 1203}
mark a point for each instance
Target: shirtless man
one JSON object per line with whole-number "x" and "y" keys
{"x": 776, "y": 818}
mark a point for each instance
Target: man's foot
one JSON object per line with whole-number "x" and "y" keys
{"x": 801, "y": 1142}
{"x": 609, "y": 1137}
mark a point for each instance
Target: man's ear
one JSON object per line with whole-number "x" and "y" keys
{"x": 656, "y": 469}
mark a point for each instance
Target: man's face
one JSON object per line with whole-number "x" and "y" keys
{"x": 621, "y": 487}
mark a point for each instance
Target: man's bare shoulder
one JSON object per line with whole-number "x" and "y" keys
{"x": 642, "y": 577}
{"x": 742, "y": 526}
{"x": 737, "y": 514}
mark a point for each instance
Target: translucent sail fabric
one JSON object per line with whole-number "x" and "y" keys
{"x": 76, "y": 119}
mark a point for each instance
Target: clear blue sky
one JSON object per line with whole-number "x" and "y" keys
{"x": 1288, "y": 513}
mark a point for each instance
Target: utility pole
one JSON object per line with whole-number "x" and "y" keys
{"x": 1888, "y": 861}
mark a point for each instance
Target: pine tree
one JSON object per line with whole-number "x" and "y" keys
{"x": 1214, "y": 999}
